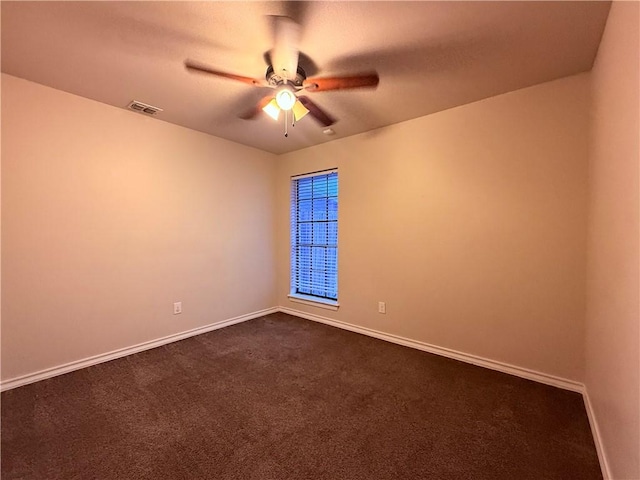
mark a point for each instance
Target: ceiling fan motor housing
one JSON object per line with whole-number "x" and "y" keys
{"x": 275, "y": 79}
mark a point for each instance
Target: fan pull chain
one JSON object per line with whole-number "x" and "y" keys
{"x": 286, "y": 121}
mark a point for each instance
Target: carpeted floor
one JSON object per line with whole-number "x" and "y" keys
{"x": 284, "y": 398}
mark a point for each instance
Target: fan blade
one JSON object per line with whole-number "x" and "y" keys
{"x": 284, "y": 55}
{"x": 316, "y": 112}
{"x": 193, "y": 67}
{"x": 341, "y": 83}
{"x": 254, "y": 111}
{"x": 296, "y": 10}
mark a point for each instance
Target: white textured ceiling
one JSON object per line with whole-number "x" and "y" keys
{"x": 430, "y": 56}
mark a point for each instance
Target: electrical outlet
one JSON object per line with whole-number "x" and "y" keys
{"x": 177, "y": 308}
{"x": 382, "y": 307}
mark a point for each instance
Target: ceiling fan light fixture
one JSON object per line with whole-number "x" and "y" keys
{"x": 285, "y": 99}
{"x": 299, "y": 110}
{"x": 272, "y": 109}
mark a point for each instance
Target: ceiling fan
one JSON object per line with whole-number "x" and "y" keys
{"x": 289, "y": 79}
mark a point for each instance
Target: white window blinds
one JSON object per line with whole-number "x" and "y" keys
{"x": 314, "y": 235}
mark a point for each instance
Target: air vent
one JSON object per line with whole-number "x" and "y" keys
{"x": 143, "y": 108}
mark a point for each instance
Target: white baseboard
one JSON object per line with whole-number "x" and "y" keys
{"x": 123, "y": 352}
{"x": 597, "y": 439}
{"x": 481, "y": 362}
{"x": 446, "y": 352}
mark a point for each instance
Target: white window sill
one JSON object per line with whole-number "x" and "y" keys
{"x": 314, "y": 301}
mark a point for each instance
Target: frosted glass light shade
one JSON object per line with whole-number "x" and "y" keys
{"x": 299, "y": 110}
{"x": 285, "y": 99}
{"x": 272, "y": 109}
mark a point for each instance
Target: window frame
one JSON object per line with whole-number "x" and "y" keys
{"x": 294, "y": 295}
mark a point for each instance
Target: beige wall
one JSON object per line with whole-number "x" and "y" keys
{"x": 469, "y": 223}
{"x": 108, "y": 217}
{"x": 613, "y": 287}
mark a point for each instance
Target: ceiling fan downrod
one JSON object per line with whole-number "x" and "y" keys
{"x": 275, "y": 80}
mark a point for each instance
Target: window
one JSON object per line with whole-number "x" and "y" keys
{"x": 314, "y": 237}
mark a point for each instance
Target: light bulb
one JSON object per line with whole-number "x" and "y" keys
{"x": 285, "y": 99}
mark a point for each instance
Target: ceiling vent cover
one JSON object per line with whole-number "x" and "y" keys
{"x": 143, "y": 108}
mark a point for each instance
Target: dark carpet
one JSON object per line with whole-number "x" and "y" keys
{"x": 284, "y": 398}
